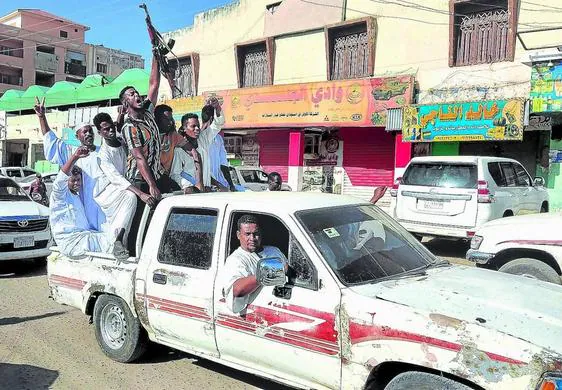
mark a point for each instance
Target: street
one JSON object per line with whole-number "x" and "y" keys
{"x": 46, "y": 345}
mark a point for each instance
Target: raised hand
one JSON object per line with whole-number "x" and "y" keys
{"x": 39, "y": 107}
{"x": 82, "y": 151}
{"x": 213, "y": 101}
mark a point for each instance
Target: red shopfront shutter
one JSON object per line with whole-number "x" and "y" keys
{"x": 368, "y": 156}
{"x": 274, "y": 151}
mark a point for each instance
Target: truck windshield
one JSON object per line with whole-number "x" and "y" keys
{"x": 363, "y": 245}
{"x": 441, "y": 175}
{"x": 10, "y": 191}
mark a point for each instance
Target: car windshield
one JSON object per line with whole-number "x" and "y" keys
{"x": 10, "y": 191}
{"x": 441, "y": 175}
{"x": 363, "y": 245}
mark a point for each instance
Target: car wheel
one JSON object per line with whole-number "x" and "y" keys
{"x": 118, "y": 332}
{"x": 423, "y": 381}
{"x": 544, "y": 208}
{"x": 532, "y": 268}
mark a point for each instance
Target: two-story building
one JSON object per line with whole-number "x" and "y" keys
{"x": 296, "y": 76}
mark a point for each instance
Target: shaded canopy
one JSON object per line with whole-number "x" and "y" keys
{"x": 62, "y": 93}
{"x": 10, "y": 100}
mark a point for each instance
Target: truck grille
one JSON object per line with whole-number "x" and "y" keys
{"x": 10, "y": 247}
{"x": 33, "y": 225}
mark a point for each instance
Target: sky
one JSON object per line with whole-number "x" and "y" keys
{"x": 119, "y": 24}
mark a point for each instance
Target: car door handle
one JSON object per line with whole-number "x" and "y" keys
{"x": 159, "y": 278}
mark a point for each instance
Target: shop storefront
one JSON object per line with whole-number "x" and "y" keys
{"x": 546, "y": 114}
{"x": 487, "y": 128}
{"x": 323, "y": 136}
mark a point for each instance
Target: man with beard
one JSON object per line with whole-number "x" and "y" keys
{"x": 202, "y": 138}
{"x": 59, "y": 152}
{"x": 114, "y": 194}
{"x": 70, "y": 227}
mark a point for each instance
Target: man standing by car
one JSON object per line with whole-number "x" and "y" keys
{"x": 39, "y": 189}
{"x": 238, "y": 276}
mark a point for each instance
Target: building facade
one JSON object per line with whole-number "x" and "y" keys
{"x": 470, "y": 57}
{"x": 110, "y": 62}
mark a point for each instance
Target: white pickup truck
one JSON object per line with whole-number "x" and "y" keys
{"x": 365, "y": 304}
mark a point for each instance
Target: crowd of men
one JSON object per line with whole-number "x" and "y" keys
{"x": 98, "y": 197}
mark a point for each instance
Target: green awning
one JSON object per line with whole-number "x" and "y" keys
{"x": 95, "y": 80}
{"x": 11, "y": 100}
{"x": 135, "y": 77}
{"x": 62, "y": 93}
{"x": 27, "y": 100}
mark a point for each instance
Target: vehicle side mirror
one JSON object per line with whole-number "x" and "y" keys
{"x": 538, "y": 182}
{"x": 271, "y": 272}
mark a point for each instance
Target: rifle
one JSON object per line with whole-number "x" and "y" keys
{"x": 162, "y": 48}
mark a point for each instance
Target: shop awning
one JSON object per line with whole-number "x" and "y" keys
{"x": 27, "y": 100}
{"x": 135, "y": 77}
{"x": 62, "y": 93}
{"x": 10, "y": 100}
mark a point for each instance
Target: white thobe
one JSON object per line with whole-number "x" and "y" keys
{"x": 204, "y": 141}
{"x": 59, "y": 152}
{"x": 69, "y": 225}
{"x": 241, "y": 264}
{"x": 111, "y": 192}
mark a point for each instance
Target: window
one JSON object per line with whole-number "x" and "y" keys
{"x": 312, "y": 143}
{"x": 188, "y": 238}
{"x": 233, "y": 144}
{"x": 255, "y": 64}
{"x": 351, "y": 50}
{"x": 101, "y": 68}
{"x": 509, "y": 174}
{"x": 63, "y": 34}
{"x": 28, "y": 172}
{"x": 441, "y": 175}
{"x": 523, "y": 179}
{"x": 482, "y": 32}
{"x": 184, "y": 77}
{"x": 13, "y": 173}
{"x": 496, "y": 173}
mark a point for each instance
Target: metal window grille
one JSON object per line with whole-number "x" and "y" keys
{"x": 483, "y": 38}
{"x": 184, "y": 79}
{"x": 255, "y": 68}
{"x": 350, "y": 56}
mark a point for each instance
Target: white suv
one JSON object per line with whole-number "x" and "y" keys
{"x": 451, "y": 196}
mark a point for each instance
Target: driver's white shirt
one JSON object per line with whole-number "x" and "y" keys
{"x": 241, "y": 264}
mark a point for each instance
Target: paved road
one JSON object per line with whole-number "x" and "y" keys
{"x": 46, "y": 345}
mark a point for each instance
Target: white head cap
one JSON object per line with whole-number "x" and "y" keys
{"x": 80, "y": 125}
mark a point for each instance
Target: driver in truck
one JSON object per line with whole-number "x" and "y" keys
{"x": 238, "y": 276}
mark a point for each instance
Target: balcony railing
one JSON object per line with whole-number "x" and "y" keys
{"x": 75, "y": 69}
{"x": 46, "y": 61}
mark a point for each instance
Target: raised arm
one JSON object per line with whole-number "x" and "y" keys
{"x": 154, "y": 81}
{"x": 40, "y": 110}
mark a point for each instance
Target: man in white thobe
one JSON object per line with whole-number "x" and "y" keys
{"x": 68, "y": 221}
{"x": 238, "y": 276}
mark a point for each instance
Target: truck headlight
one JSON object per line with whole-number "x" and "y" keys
{"x": 476, "y": 242}
{"x": 551, "y": 381}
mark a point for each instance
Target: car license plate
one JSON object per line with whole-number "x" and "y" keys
{"x": 24, "y": 242}
{"x": 433, "y": 205}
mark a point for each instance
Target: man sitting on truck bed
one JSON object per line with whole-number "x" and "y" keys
{"x": 68, "y": 221}
{"x": 238, "y": 277}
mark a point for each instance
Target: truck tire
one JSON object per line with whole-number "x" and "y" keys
{"x": 423, "y": 381}
{"x": 532, "y": 268}
{"x": 118, "y": 332}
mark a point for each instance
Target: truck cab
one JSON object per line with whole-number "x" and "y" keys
{"x": 364, "y": 304}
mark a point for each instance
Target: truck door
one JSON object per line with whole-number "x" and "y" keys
{"x": 286, "y": 332}
{"x": 179, "y": 282}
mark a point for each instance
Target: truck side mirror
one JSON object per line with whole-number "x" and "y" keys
{"x": 271, "y": 272}
{"x": 538, "y": 182}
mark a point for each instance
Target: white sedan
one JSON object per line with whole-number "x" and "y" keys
{"x": 528, "y": 245}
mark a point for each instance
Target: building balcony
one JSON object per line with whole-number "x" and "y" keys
{"x": 46, "y": 62}
{"x": 75, "y": 69}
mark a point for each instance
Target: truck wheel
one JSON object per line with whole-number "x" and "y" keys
{"x": 119, "y": 334}
{"x": 423, "y": 381}
{"x": 532, "y": 268}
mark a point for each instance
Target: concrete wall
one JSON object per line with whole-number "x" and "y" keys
{"x": 411, "y": 40}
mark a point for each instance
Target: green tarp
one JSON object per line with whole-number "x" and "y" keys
{"x": 63, "y": 93}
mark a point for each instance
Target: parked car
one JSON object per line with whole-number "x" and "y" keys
{"x": 252, "y": 178}
{"x": 17, "y": 173}
{"x": 312, "y": 178}
{"x": 24, "y": 224}
{"x": 528, "y": 245}
{"x": 453, "y": 196}
{"x": 48, "y": 178}
{"x": 364, "y": 305}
